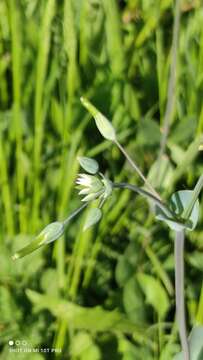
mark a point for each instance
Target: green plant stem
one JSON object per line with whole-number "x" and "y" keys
{"x": 37, "y": 242}
{"x": 74, "y": 213}
{"x": 179, "y": 286}
{"x": 39, "y": 108}
{"x": 172, "y": 81}
{"x": 16, "y": 42}
{"x": 6, "y": 191}
{"x": 136, "y": 168}
{"x": 196, "y": 192}
{"x": 146, "y": 194}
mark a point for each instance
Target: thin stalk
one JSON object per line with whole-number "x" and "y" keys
{"x": 136, "y": 168}
{"x": 6, "y": 191}
{"x": 70, "y": 45}
{"x": 74, "y": 213}
{"x": 172, "y": 81}
{"x": 39, "y": 113}
{"x": 179, "y": 286}
{"x": 188, "y": 158}
{"x": 199, "y": 315}
{"x": 196, "y": 192}
{"x": 146, "y": 194}
{"x": 17, "y": 96}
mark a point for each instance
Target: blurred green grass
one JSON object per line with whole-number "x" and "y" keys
{"x": 108, "y": 292}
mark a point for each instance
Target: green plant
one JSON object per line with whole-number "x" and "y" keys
{"x": 180, "y": 213}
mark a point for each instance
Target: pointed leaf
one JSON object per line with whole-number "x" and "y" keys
{"x": 94, "y": 319}
{"x": 155, "y": 293}
{"x": 133, "y": 301}
{"x": 93, "y": 217}
{"x": 88, "y": 164}
{"x": 195, "y": 345}
{"x": 179, "y": 203}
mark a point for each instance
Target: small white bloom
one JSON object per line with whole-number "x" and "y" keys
{"x": 90, "y": 186}
{"x": 84, "y": 180}
{"x": 93, "y": 187}
{"x": 92, "y": 196}
{"x": 108, "y": 187}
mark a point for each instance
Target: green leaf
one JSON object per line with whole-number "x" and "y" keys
{"x": 195, "y": 345}
{"x": 87, "y": 318}
{"x": 50, "y": 233}
{"x": 155, "y": 293}
{"x": 124, "y": 270}
{"x": 133, "y": 301}
{"x": 94, "y": 215}
{"x": 88, "y": 164}
{"x": 179, "y": 203}
{"x": 10, "y": 312}
{"x": 49, "y": 282}
{"x": 127, "y": 264}
{"x": 83, "y": 347}
{"x": 103, "y": 124}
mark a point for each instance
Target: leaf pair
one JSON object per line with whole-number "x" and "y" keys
{"x": 179, "y": 204}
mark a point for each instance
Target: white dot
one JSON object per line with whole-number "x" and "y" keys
{"x": 11, "y": 342}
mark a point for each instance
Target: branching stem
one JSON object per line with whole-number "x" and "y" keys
{"x": 148, "y": 195}
{"x": 136, "y": 168}
{"x": 179, "y": 266}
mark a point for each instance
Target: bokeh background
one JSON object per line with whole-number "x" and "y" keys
{"x": 107, "y": 293}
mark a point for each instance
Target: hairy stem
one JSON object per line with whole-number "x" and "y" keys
{"x": 179, "y": 286}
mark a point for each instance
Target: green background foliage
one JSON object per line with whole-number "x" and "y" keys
{"x": 108, "y": 292}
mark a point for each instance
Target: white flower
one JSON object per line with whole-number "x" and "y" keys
{"x": 93, "y": 187}
{"x": 90, "y": 186}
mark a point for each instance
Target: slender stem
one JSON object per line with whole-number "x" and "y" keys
{"x": 136, "y": 168}
{"x": 147, "y": 194}
{"x": 74, "y": 213}
{"x": 196, "y": 192}
{"x": 179, "y": 286}
{"x": 172, "y": 80}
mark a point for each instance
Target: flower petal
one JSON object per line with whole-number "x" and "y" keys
{"x": 84, "y": 191}
{"x": 92, "y": 196}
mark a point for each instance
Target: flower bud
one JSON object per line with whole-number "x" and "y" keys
{"x": 103, "y": 124}
{"x": 88, "y": 164}
{"x": 50, "y": 233}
